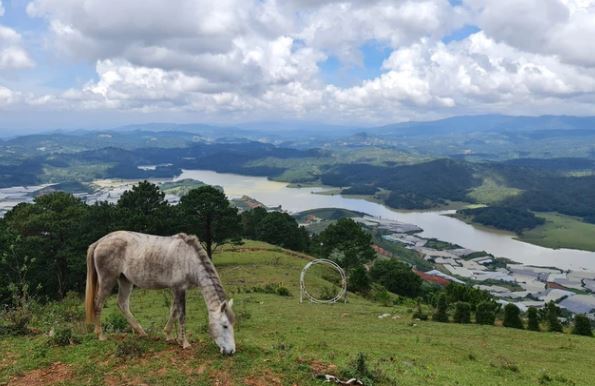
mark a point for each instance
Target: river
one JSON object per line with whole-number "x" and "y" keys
{"x": 434, "y": 223}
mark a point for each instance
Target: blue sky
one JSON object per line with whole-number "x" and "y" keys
{"x": 370, "y": 62}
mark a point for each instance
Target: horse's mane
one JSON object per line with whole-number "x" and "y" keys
{"x": 209, "y": 269}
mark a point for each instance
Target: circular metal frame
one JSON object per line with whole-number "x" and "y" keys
{"x": 304, "y": 292}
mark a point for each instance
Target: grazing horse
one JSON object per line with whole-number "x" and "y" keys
{"x": 178, "y": 262}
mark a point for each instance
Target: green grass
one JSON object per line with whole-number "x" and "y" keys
{"x": 492, "y": 190}
{"x": 561, "y": 231}
{"x": 280, "y": 341}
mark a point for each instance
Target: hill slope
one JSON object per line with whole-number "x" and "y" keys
{"x": 282, "y": 342}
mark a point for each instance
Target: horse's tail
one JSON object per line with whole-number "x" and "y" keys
{"x": 91, "y": 288}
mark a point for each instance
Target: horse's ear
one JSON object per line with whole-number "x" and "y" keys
{"x": 230, "y": 303}
{"x": 223, "y": 306}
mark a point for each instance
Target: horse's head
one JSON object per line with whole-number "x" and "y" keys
{"x": 221, "y": 327}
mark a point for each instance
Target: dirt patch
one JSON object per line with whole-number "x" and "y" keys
{"x": 221, "y": 378}
{"x": 57, "y": 372}
{"x": 320, "y": 367}
{"x": 266, "y": 379}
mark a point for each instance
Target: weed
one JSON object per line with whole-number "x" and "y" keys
{"x": 130, "y": 348}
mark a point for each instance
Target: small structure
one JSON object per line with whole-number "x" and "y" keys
{"x": 304, "y": 292}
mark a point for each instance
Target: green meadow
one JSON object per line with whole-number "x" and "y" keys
{"x": 283, "y": 342}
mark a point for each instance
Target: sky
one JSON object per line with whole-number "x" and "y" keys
{"x": 99, "y": 63}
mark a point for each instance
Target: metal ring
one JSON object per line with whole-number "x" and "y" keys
{"x": 304, "y": 291}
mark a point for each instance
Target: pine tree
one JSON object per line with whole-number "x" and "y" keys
{"x": 441, "y": 313}
{"x": 533, "y": 319}
{"x": 552, "y": 312}
{"x": 512, "y": 316}
{"x": 485, "y": 313}
{"x": 582, "y": 326}
{"x": 462, "y": 313}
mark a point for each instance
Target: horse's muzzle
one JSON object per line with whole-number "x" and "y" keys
{"x": 227, "y": 352}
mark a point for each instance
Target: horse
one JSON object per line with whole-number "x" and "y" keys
{"x": 178, "y": 262}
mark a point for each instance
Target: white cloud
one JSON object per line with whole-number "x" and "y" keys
{"x": 12, "y": 54}
{"x": 564, "y": 28}
{"x": 260, "y": 58}
{"x": 1, "y": 9}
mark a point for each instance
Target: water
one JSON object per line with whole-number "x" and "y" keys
{"x": 434, "y": 223}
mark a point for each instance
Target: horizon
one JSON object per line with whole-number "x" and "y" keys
{"x": 105, "y": 64}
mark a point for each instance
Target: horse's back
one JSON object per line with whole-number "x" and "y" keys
{"x": 148, "y": 261}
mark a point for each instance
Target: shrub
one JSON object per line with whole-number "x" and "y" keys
{"x": 63, "y": 336}
{"x": 116, "y": 322}
{"x": 419, "y": 313}
{"x": 582, "y": 326}
{"x": 532, "y": 319}
{"x": 552, "y": 312}
{"x": 283, "y": 291}
{"x": 462, "y": 313}
{"x": 441, "y": 313}
{"x": 512, "y": 316}
{"x": 396, "y": 277}
{"x": 359, "y": 369}
{"x": 358, "y": 280}
{"x": 485, "y": 313}
{"x": 15, "y": 321}
{"x": 381, "y": 295}
{"x": 130, "y": 348}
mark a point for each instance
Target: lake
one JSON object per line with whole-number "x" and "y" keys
{"x": 434, "y": 223}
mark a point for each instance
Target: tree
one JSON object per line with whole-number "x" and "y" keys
{"x": 250, "y": 221}
{"x": 50, "y": 234}
{"x": 462, "y": 313}
{"x": 464, "y": 293}
{"x": 512, "y": 316}
{"x": 144, "y": 209}
{"x": 206, "y": 212}
{"x": 485, "y": 313}
{"x": 282, "y": 229}
{"x": 582, "y": 325}
{"x": 419, "y": 312}
{"x": 358, "y": 280}
{"x": 552, "y": 312}
{"x": 441, "y": 312}
{"x": 351, "y": 242}
{"x": 396, "y": 277}
{"x": 532, "y": 319}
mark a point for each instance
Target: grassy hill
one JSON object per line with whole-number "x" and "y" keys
{"x": 283, "y": 342}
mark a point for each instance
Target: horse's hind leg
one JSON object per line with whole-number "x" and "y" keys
{"x": 124, "y": 291}
{"x": 104, "y": 288}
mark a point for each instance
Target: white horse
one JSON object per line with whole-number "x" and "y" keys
{"x": 178, "y": 262}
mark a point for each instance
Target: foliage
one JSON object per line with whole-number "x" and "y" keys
{"x": 130, "y": 348}
{"x": 462, "y": 313}
{"x": 551, "y": 314}
{"x": 441, "y": 312}
{"x": 456, "y": 292}
{"x": 350, "y": 240}
{"x": 512, "y": 219}
{"x": 276, "y": 228}
{"x": 512, "y": 316}
{"x": 358, "y": 280}
{"x": 396, "y": 277}
{"x": 485, "y": 313}
{"x": 419, "y": 312}
{"x": 116, "y": 322}
{"x": 359, "y": 369}
{"x": 144, "y": 209}
{"x": 63, "y": 336}
{"x": 207, "y": 213}
{"x": 532, "y": 319}
{"x": 582, "y": 325}
{"x": 381, "y": 295}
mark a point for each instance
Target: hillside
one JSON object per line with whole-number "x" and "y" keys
{"x": 282, "y": 342}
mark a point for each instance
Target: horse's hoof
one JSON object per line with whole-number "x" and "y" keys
{"x": 186, "y": 345}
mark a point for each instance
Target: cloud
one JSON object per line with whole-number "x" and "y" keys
{"x": 1, "y": 9}
{"x": 564, "y": 28}
{"x": 12, "y": 54}
{"x": 244, "y": 59}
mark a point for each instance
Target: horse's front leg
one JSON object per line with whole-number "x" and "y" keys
{"x": 181, "y": 295}
{"x": 173, "y": 314}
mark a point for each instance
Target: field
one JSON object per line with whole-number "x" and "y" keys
{"x": 492, "y": 191}
{"x": 283, "y": 342}
{"x": 562, "y": 231}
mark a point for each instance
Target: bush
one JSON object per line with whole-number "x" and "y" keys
{"x": 381, "y": 295}
{"x": 512, "y": 316}
{"x": 130, "y": 348}
{"x": 15, "y": 321}
{"x": 582, "y": 326}
{"x": 485, "y": 313}
{"x": 396, "y": 277}
{"x": 551, "y": 313}
{"x": 419, "y": 313}
{"x": 532, "y": 319}
{"x": 116, "y": 322}
{"x": 360, "y": 370}
{"x": 462, "y": 313}
{"x": 441, "y": 313}
{"x": 63, "y": 336}
{"x": 358, "y": 280}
